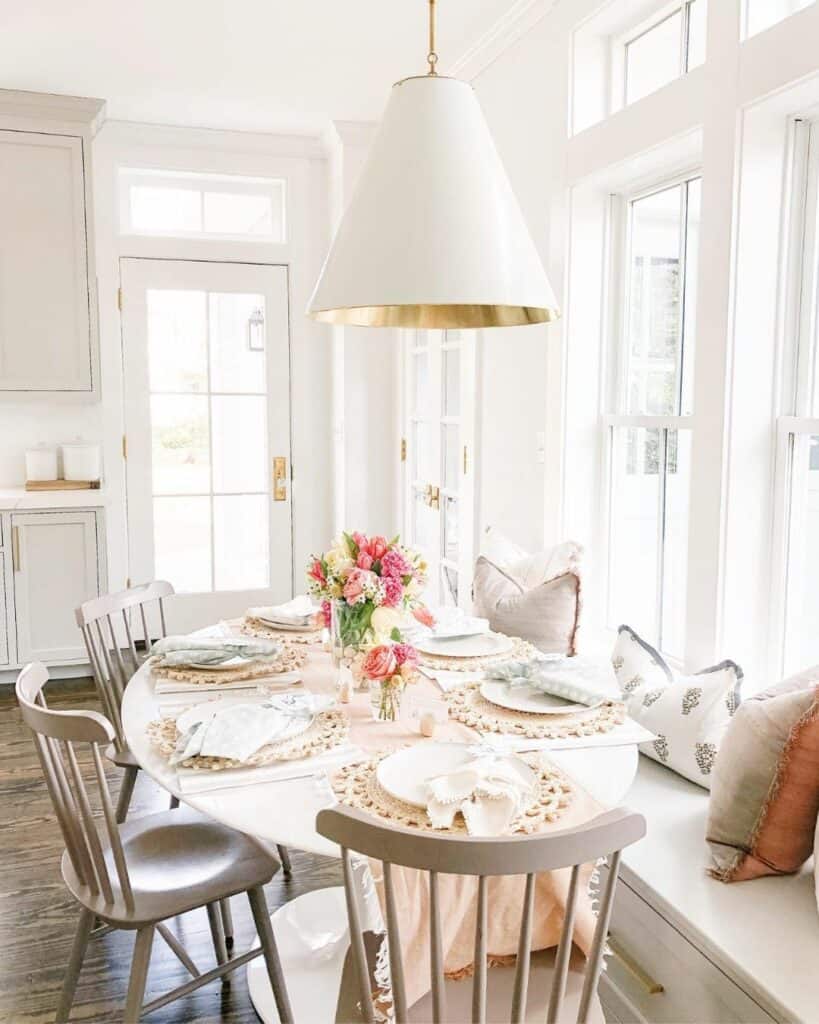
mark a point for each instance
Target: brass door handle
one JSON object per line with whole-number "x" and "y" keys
{"x": 280, "y": 478}
{"x": 432, "y": 496}
{"x": 641, "y": 976}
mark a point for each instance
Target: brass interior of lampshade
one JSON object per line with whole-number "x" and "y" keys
{"x": 437, "y": 317}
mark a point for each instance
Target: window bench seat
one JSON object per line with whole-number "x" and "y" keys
{"x": 687, "y": 948}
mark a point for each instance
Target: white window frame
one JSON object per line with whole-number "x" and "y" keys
{"x": 621, "y": 42}
{"x": 615, "y": 390}
{"x": 798, "y": 346}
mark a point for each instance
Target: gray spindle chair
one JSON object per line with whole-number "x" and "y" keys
{"x": 100, "y": 619}
{"x": 604, "y": 836}
{"x": 134, "y": 876}
{"x": 105, "y": 621}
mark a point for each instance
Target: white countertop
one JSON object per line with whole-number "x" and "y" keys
{"x": 18, "y": 499}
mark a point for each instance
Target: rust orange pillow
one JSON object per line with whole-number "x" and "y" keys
{"x": 765, "y": 783}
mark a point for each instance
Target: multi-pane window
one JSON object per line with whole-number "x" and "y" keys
{"x": 648, "y": 434}
{"x": 188, "y": 205}
{"x": 796, "y": 547}
{"x": 657, "y": 53}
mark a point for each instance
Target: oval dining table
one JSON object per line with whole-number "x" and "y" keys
{"x": 312, "y": 927}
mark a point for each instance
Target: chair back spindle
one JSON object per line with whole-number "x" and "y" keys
{"x": 111, "y": 627}
{"x": 436, "y": 854}
{"x": 91, "y": 842}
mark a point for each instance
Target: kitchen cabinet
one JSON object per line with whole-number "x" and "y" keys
{"x": 48, "y": 303}
{"x": 57, "y": 562}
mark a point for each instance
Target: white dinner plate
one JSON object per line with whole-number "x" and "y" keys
{"x": 404, "y": 774}
{"x": 289, "y": 627}
{"x": 479, "y": 646}
{"x": 530, "y": 699}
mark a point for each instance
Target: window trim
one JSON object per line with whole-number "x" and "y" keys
{"x": 615, "y": 392}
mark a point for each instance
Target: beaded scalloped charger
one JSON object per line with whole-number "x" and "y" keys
{"x": 357, "y": 785}
{"x": 467, "y": 704}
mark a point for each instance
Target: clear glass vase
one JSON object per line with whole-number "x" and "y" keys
{"x": 385, "y": 699}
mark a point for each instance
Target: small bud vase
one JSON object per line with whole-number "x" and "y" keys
{"x": 385, "y": 698}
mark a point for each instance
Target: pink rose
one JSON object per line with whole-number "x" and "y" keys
{"x": 323, "y": 615}
{"x": 354, "y": 587}
{"x": 424, "y": 616}
{"x": 379, "y": 663}
{"x": 393, "y": 591}
{"x": 364, "y": 560}
{"x": 405, "y": 654}
{"x": 395, "y": 564}
{"x": 377, "y": 548}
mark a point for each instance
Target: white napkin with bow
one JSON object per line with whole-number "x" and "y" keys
{"x": 236, "y": 730}
{"x": 490, "y": 791}
{"x": 298, "y": 612}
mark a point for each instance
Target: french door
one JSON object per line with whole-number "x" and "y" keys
{"x": 207, "y": 421}
{"x": 439, "y": 459}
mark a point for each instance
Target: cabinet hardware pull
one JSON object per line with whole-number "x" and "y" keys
{"x": 15, "y": 548}
{"x": 280, "y": 478}
{"x": 642, "y": 977}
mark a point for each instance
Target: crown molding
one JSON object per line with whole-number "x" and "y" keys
{"x": 516, "y": 22}
{"x": 52, "y": 112}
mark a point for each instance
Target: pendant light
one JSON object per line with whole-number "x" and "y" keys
{"x": 433, "y": 236}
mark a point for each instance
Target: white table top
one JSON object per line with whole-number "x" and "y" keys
{"x": 284, "y": 812}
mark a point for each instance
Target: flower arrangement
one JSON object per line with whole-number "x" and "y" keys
{"x": 387, "y": 668}
{"x": 368, "y": 583}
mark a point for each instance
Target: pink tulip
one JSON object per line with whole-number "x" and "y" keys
{"x": 377, "y": 547}
{"x": 364, "y": 560}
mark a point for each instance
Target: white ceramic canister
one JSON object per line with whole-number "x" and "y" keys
{"x": 41, "y": 463}
{"x": 81, "y": 461}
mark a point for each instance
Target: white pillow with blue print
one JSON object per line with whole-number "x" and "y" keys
{"x": 687, "y": 713}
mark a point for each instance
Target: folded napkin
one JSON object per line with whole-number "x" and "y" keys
{"x": 181, "y": 651}
{"x": 234, "y": 730}
{"x": 581, "y": 680}
{"x": 490, "y": 791}
{"x": 298, "y": 612}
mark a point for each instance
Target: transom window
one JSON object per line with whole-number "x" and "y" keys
{"x": 761, "y": 14}
{"x": 187, "y": 205}
{"x": 648, "y": 431}
{"x": 658, "y": 52}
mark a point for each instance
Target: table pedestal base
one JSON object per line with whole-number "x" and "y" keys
{"x": 312, "y": 937}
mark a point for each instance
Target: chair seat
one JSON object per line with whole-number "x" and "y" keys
{"x": 124, "y": 758}
{"x": 177, "y": 860}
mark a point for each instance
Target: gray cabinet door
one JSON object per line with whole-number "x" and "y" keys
{"x": 48, "y": 310}
{"x": 56, "y": 568}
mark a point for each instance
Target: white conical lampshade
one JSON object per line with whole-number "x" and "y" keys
{"x": 433, "y": 236}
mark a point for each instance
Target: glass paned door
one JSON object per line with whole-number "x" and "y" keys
{"x": 439, "y": 376}
{"x": 207, "y": 411}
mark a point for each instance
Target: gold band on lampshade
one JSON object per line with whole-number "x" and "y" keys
{"x": 437, "y": 317}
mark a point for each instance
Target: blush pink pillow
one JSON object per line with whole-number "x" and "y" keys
{"x": 765, "y": 783}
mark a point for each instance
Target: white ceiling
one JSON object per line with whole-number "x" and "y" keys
{"x": 244, "y": 64}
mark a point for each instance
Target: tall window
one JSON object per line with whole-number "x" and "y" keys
{"x": 648, "y": 432}
{"x": 761, "y": 14}
{"x": 657, "y": 52}
{"x": 796, "y": 548}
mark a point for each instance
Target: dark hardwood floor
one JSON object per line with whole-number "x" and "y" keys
{"x": 38, "y": 917}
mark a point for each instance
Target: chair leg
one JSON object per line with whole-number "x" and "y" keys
{"x": 261, "y": 918}
{"x": 227, "y": 922}
{"x": 126, "y": 792}
{"x": 215, "y": 922}
{"x": 72, "y": 972}
{"x": 139, "y": 974}
{"x": 174, "y": 802}
{"x": 284, "y": 857}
